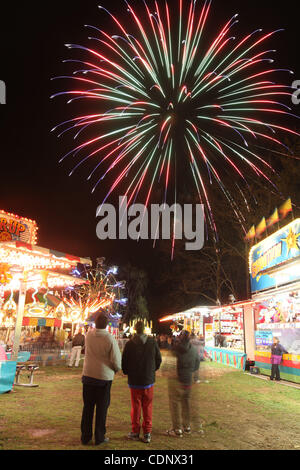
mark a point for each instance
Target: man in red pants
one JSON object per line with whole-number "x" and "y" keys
{"x": 141, "y": 358}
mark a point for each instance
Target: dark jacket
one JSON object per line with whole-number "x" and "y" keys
{"x": 78, "y": 340}
{"x": 220, "y": 340}
{"x": 141, "y": 358}
{"x": 188, "y": 362}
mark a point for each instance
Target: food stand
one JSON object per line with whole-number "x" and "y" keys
{"x": 25, "y": 266}
{"x": 37, "y": 268}
{"x": 225, "y": 338}
{"x": 275, "y": 284}
{"x": 208, "y": 321}
{"x": 192, "y": 320}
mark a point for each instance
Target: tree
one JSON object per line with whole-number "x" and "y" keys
{"x": 136, "y": 285}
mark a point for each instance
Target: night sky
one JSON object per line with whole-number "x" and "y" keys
{"x": 33, "y": 183}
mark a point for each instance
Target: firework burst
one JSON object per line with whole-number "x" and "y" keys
{"x": 173, "y": 100}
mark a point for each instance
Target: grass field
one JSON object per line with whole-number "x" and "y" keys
{"x": 239, "y": 412}
{"x": 283, "y": 375}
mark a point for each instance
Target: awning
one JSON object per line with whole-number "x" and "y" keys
{"x": 24, "y": 254}
{"x": 204, "y": 310}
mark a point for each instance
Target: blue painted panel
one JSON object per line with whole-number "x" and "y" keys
{"x": 281, "y": 246}
{"x": 7, "y": 375}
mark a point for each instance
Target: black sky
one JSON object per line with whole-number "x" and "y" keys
{"x": 33, "y": 183}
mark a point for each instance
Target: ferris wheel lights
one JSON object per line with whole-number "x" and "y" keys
{"x": 113, "y": 270}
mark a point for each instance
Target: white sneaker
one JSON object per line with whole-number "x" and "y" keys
{"x": 174, "y": 432}
{"x": 200, "y": 430}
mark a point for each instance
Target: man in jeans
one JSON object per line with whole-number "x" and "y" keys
{"x": 102, "y": 360}
{"x": 141, "y": 358}
{"x": 77, "y": 345}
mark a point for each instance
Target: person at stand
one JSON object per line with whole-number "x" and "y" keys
{"x": 141, "y": 359}
{"x": 220, "y": 340}
{"x": 277, "y": 350}
{"x": 102, "y": 360}
{"x": 198, "y": 343}
{"x": 77, "y": 346}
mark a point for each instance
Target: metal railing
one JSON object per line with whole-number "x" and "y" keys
{"x": 48, "y": 352}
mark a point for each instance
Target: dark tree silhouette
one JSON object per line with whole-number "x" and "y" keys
{"x": 136, "y": 285}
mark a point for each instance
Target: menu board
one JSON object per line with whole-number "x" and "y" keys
{"x": 289, "y": 337}
{"x": 263, "y": 339}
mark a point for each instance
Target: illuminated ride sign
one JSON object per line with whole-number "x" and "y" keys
{"x": 15, "y": 228}
{"x": 276, "y": 260}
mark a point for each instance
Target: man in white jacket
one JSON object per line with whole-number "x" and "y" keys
{"x": 102, "y": 360}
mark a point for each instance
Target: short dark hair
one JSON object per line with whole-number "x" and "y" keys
{"x": 139, "y": 327}
{"x": 101, "y": 321}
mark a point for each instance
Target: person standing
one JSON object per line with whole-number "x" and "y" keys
{"x": 277, "y": 350}
{"x": 198, "y": 344}
{"x": 102, "y": 360}
{"x": 141, "y": 359}
{"x": 220, "y": 340}
{"x": 77, "y": 346}
{"x": 180, "y": 387}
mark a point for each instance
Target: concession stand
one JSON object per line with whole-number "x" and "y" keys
{"x": 275, "y": 285}
{"x": 226, "y": 338}
{"x": 243, "y": 332}
{"x": 192, "y": 320}
{"x": 223, "y": 329}
{"x": 24, "y": 266}
{"x": 209, "y": 321}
